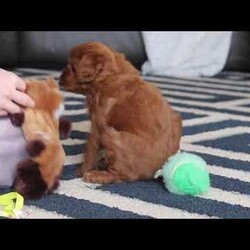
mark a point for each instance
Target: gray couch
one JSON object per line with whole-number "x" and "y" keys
{"x": 49, "y": 49}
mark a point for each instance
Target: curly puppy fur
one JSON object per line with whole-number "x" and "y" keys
{"x": 133, "y": 128}
{"x": 39, "y": 175}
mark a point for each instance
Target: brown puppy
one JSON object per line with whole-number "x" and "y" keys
{"x": 133, "y": 129}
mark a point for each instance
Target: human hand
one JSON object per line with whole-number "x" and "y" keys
{"x": 12, "y": 94}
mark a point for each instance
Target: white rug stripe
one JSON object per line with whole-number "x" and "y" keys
{"x": 73, "y": 102}
{"x": 200, "y": 111}
{"x": 234, "y": 102}
{"x": 74, "y": 159}
{"x": 241, "y": 109}
{"x": 32, "y": 212}
{"x": 81, "y": 126}
{"x": 75, "y": 112}
{"x": 198, "y": 81}
{"x": 218, "y": 80}
{"x": 203, "y": 120}
{"x": 205, "y": 91}
{"x": 233, "y": 198}
{"x": 178, "y": 93}
{"x": 72, "y": 142}
{"x": 75, "y": 188}
{"x": 220, "y": 133}
{"x": 205, "y": 104}
{"x": 229, "y": 173}
{"x": 217, "y": 152}
{"x": 210, "y": 85}
{"x": 214, "y": 151}
{"x": 70, "y": 94}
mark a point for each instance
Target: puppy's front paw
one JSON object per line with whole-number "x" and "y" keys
{"x": 99, "y": 177}
{"x": 89, "y": 177}
{"x": 79, "y": 172}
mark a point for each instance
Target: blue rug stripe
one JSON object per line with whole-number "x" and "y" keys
{"x": 225, "y": 162}
{"x": 193, "y": 86}
{"x": 195, "y": 129}
{"x": 236, "y": 143}
{"x": 71, "y": 98}
{"x": 69, "y": 172}
{"x": 154, "y": 192}
{"x": 188, "y": 116}
{"x": 194, "y": 82}
{"x": 76, "y": 208}
{"x": 75, "y": 149}
{"x": 230, "y": 184}
{"x": 4, "y": 190}
{"x": 74, "y": 106}
{"x": 221, "y": 110}
{"x": 192, "y": 89}
{"x": 223, "y": 80}
{"x": 215, "y": 99}
{"x": 27, "y": 74}
{"x": 77, "y": 118}
{"x": 79, "y": 135}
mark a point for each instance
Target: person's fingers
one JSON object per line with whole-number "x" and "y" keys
{"x": 11, "y": 107}
{"x": 20, "y": 84}
{"x": 3, "y": 113}
{"x": 22, "y": 99}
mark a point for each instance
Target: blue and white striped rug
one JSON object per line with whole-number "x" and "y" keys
{"x": 216, "y": 119}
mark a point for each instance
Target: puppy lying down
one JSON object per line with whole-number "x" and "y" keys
{"x": 31, "y": 154}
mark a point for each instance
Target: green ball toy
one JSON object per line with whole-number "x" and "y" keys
{"x": 186, "y": 174}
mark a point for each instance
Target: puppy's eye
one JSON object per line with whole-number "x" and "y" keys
{"x": 72, "y": 69}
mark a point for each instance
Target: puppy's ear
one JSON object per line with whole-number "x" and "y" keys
{"x": 88, "y": 67}
{"x": 64, "y": 128}
{"x": 93, "y": 66}
{"x": 17, "y": 119}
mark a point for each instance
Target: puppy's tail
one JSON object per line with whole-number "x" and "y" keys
{"x": 176, "y": 121}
